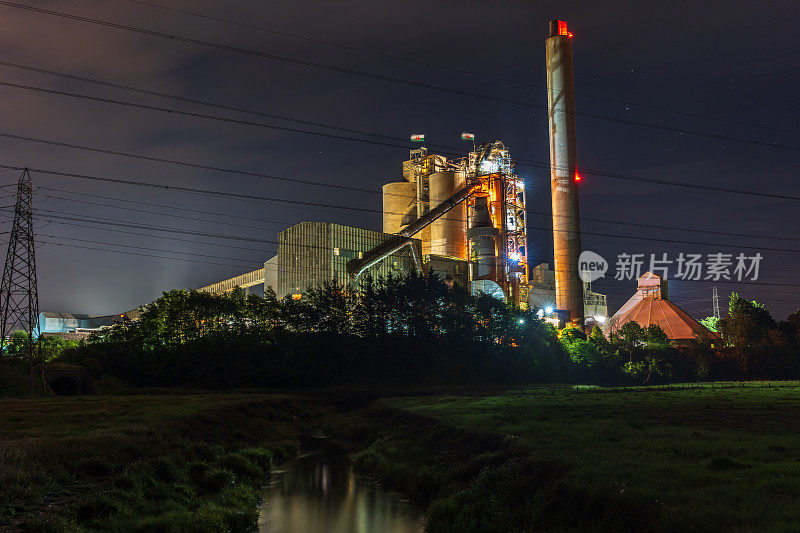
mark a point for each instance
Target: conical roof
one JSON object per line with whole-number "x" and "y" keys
{"x": 648, "y": 307}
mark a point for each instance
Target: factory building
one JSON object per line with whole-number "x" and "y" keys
{"x": 75, "y": 326}
{"x": 311, "y": 253}
{"x": 650, "y": 304}
{"x": 467, "y": 212}
{"x": 463, "y": 218}
{"x": 252, "y": 283}
{"x": 542, "y": 294}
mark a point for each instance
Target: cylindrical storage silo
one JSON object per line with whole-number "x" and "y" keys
{"x": 483, "y": 238}
{"x": 449, "y": 232}
{"x": 398, "y": 199}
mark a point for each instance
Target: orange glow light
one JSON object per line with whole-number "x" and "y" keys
{"x": 562, "y": 28}
{"x": 569, "y": 34}
{"x": 578, "y": 178}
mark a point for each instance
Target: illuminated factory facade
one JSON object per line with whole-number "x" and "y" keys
{"x": 463, "y": 218}
{"x": 468, "y": 213}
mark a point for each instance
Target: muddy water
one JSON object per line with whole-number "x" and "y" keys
{"x": 318, "y": 492}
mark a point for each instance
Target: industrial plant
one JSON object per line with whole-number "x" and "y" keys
{"x": 462, "y": 218}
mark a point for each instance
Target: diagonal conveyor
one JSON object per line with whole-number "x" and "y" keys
{"x": 356, "y": 267}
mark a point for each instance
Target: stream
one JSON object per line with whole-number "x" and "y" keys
{"x": 317, "y": 492}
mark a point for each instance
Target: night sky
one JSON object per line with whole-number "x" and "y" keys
{"x": 736, "y": 61}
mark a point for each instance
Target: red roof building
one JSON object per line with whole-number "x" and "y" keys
{"x": 650, "y": 305}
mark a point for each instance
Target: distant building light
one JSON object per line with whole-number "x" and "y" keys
{"x": 548, "y": 310}
{"x": 521, "y": 320}
{"x": 600, "y": 319}
{"x": 552, "y": 320}
{"x": 297, "y": 296}
{"x": 514, "y": 256}
{"x": 335, "y": 251}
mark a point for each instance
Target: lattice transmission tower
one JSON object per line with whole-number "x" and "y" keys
{"x": 715, "y": 302}
{"x": 19, "y": 293}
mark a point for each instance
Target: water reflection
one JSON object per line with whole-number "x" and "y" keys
{"x": 317, "y": 492}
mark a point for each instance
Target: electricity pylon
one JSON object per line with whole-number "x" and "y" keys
{"x": 19, "y": 293}
{"x": 715, "y": 302}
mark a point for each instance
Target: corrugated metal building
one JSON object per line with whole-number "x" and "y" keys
{"x": 50, "y": 322}
{"x": 311, "y": 253}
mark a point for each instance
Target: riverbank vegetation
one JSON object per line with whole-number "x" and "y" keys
{"x": 669, "y": 460}
{"x": 141, "y": 463}
{"x": 544, "y": 458}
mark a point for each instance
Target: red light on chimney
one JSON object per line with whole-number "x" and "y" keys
{"x": 578, "y": 178}
{"x": 562, "y": 28}
{"x": 569, "y": 34}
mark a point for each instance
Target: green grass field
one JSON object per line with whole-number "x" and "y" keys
{"x": 722, "y": 459}
{"x": 655, "y": 459}
{"x": 141, "y": 463}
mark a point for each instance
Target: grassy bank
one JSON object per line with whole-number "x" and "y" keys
{"x": 711, "y": 460}
{"x": 141, "y": 463}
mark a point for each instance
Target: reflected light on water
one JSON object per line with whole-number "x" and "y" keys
{"x": 318, "y": 492}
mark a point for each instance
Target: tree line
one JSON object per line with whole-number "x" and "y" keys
{"x": 413, "y": 329}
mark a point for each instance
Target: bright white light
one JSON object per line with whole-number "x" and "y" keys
{"x": 489, "y": 166}
{"x": 540, "y": 313}
{"x": 548, "y": 310}
{"x": 514, "y": 256}
{"x": 600, "y": 319}
{"x": 521, "y": 321}
{"x": 521, "y": 184}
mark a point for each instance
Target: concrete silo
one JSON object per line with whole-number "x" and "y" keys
{"x": 399, "y": 200}
{"x": 448, "y": 233}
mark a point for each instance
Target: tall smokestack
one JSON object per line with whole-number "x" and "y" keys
{"x": 563, "y": 165}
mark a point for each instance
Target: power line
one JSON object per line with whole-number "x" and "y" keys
{"x": 450, "y": 68}
{"x": 250, "y": 226}
{"x": 203, "y": 116}
{"x": 156, "y": 236}
{"x": 629, "y": 177}
{"x": 197, "y": 190}
{"x": 400, "y": 143}
{"x": 201, "y": 102}
{"x": 214, "y": 213}
{"x": 100, "y": 220}
{"x": 141, "y": 248}
{"x": 167, "y": 206}
{"x": 333, "y": 206}
{"x": 311, "y": 64}
{"x": 137, "y": 254}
